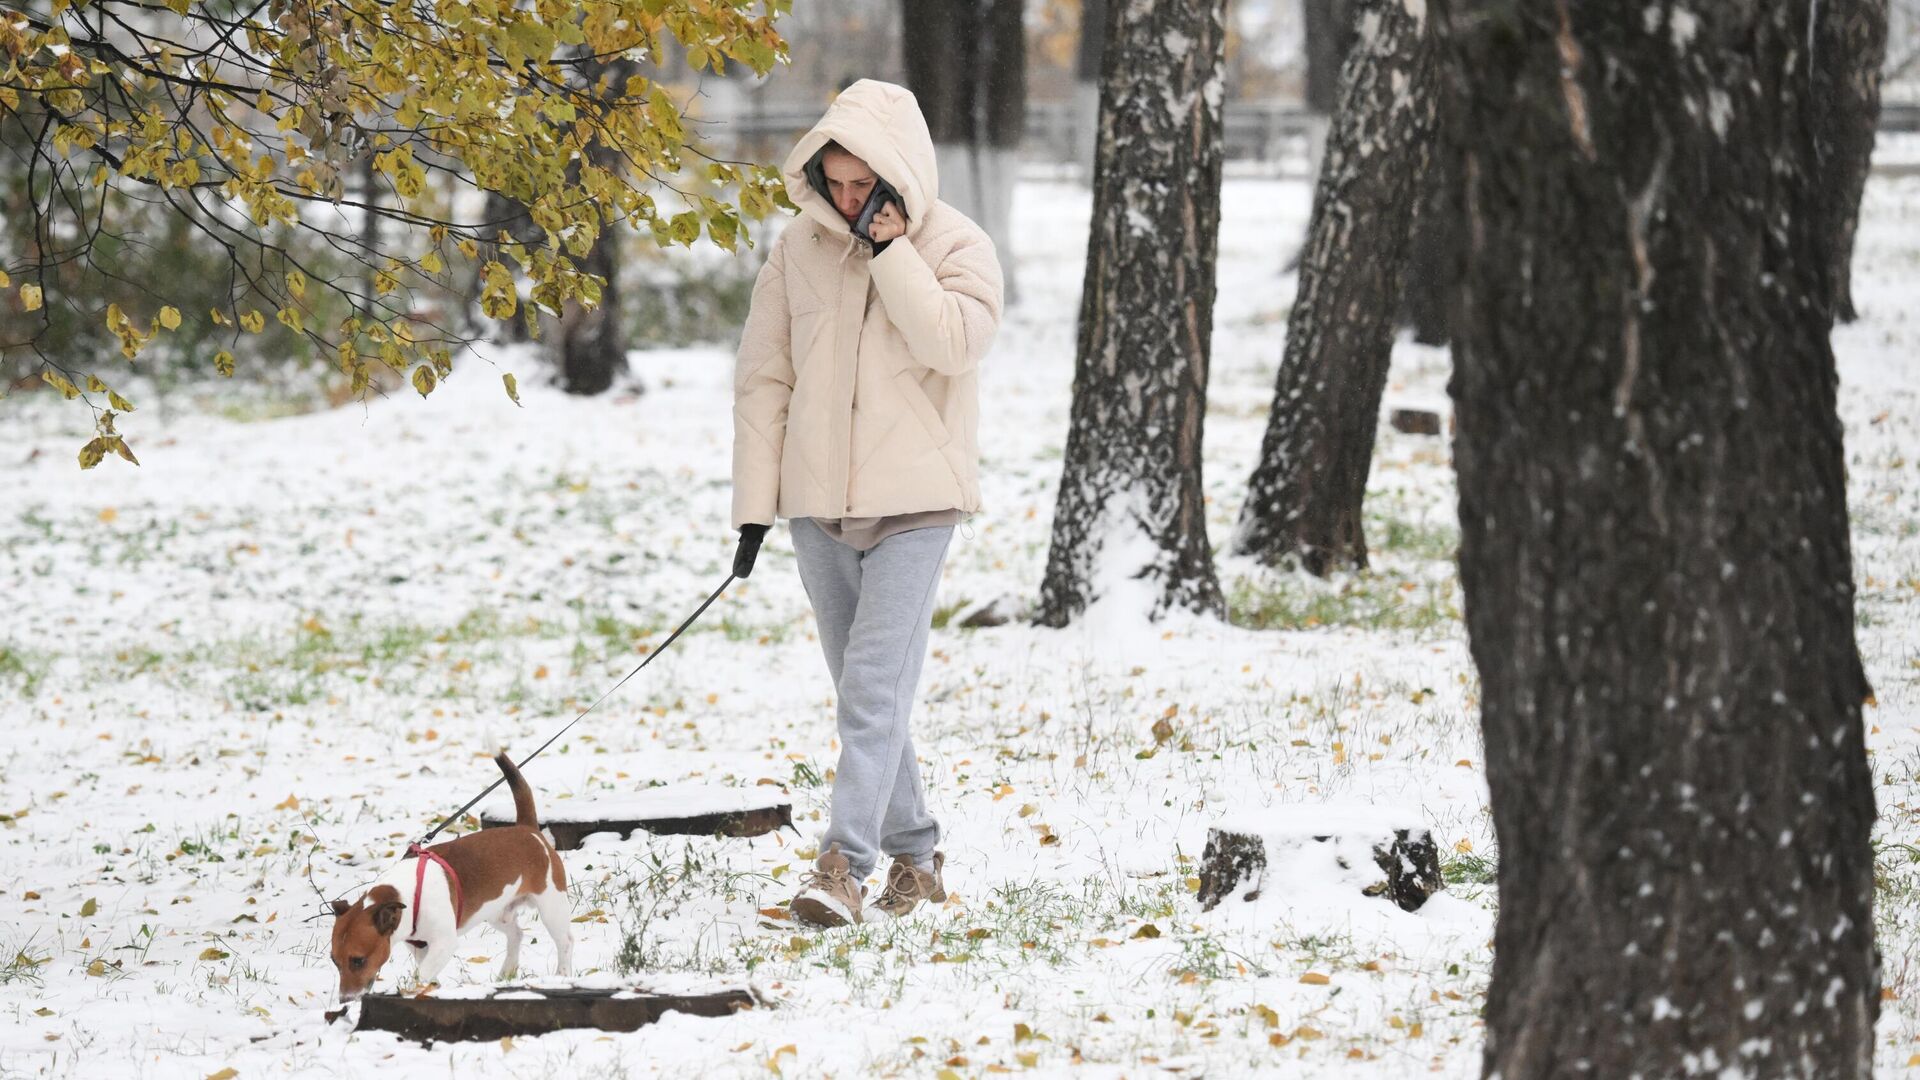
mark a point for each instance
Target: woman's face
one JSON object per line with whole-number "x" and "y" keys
{"x": 849, "y": 182}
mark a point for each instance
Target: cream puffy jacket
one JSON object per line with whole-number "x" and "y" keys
{"x": 856, "y": 391}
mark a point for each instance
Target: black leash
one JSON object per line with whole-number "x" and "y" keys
{"x": 522, "y": 763}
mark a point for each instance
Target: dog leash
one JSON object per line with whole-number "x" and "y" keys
{"x": 522, "y": 763}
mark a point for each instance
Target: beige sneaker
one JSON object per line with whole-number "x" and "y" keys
{"x": 828, "y": 894}
{"x": 907, "y": 885}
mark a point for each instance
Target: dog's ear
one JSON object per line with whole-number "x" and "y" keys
{"x": 340, "y": 907}
{"x": 386, "y": 917}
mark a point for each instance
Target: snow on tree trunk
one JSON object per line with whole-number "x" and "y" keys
{"x": 1850, "y": 45}
{"x": 1303, "y": 501}
{"x": 966, "y": 62}
{"x": 1130, "y": 516}
{"x": 1654, "y": 542}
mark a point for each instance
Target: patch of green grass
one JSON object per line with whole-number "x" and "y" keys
{"x": 1364, "y": 601}
{"x": 944, "y": 614}
{"x": 17, "y": 666}
{"x": 806, "y": 776}
{"x": 23, "y": 966}
{"x": 260, "y": 410}
{"x": 736, "y": 630}
{"x": 1324, "y": 950}
{"x": 1428, "y": 543}
{"x": 1468, "y": 868}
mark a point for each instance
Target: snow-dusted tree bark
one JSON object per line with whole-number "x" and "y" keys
{"x": 1303, "y": 502}
{"x": 966, "y": 61}
{"x": 1130, "y": 508}
{"x": 1850, "y": 45}
{"x": 1654, "y": 542}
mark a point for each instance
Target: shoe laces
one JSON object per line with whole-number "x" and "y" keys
{"x": 902, "y": 883}
{"x": 827, "y": 880}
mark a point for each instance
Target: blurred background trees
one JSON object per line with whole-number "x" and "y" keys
{"x": 388, "y": 205}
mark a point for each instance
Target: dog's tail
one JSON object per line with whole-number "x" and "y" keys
{"x": 523, "y": 813}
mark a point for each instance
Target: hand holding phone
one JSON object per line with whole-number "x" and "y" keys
{"x": 883, "y": 218}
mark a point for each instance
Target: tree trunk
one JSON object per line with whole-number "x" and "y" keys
{"x": 966, "y": 62}
{"x": 502, "y": 213}
{"x": 1850, "y": 45}
{"x": 590, "y": 347}
{"x": 1329, "y": 33}
{"x": 1654, "y": 542}
{"x": 1329, "y": 28}
{"x": 1303, "y": 502}
{"x": 369, "y": 177}
{"x": 1432, "y": 263}
{"x": 1130, "y": 516}
{"x": 1094, "y": 16}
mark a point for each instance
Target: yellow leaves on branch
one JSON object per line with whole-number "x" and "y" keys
{"x": 500, "y": 297}
{"x": 277, "y": 109}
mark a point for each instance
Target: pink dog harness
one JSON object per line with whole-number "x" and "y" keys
{"x": 419, "y": 883}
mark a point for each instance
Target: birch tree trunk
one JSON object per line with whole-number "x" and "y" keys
{"x": 1304, "y": 499}
{"x": 1654, "y": 542}
{"x": 1131, "y": 516}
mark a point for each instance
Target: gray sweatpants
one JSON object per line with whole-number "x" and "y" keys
{"x": 875, "y": 609}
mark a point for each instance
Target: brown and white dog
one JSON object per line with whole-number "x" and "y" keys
{"x": 433, "y": 896}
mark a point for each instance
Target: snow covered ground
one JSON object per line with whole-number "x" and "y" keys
{"x": 284, "y": 645}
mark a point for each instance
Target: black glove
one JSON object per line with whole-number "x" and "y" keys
{"x": 743, "y": 556}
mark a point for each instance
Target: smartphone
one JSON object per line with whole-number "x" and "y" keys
{"x": 882, "y": 196}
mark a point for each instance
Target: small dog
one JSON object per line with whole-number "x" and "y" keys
{"x": 438, "y": 893}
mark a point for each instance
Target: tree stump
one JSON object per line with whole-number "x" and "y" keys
{"x": 1384, "y": 854}
{"x": 1415, "y": 421}
{"x": 515, "y": 1010}
{"x": 674, "y": 810}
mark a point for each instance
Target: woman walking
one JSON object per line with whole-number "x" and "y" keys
{"x": 856, "y": 415}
